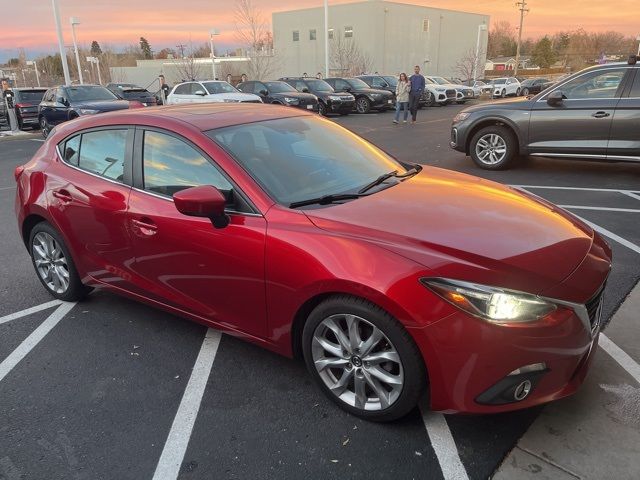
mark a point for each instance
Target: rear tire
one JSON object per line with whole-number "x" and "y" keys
{"x": 494, "y": 147}
{"x": 53, "y": 264}
{"x": 383, "y": 379}
{"x": 322, "y": 109}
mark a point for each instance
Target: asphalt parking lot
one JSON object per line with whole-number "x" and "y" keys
{"x": 110, "y": 389}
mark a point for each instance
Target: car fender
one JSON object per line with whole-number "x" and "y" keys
{"x": 520, "y": 131}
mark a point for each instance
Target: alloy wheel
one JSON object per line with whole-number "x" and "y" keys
{"x": 44, "y": 127}
{"x": 357, "y": 362}
{"x": 525, "y": 92}
{"x": 362, "y": 105}
{"x": 491, "y": 149}
{"x": 50, "y": 262}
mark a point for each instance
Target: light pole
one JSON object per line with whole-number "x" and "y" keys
{"x": 326, "y": 38}
{"x": 212, "y": 33}
{"x": 35, "y": 65}
{"x": 638, "y": 39}
{"x": 63, "y": 54}
{"x": 74, "y": 21}
{"x": 476, "y": 60}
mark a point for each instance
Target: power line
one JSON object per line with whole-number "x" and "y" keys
{"x": 522, "y": 6}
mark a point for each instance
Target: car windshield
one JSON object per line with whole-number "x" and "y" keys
{"x": 528, "y": 82}
{"x": 219, "y": 87}
{"x": 30, "y": 96}
{"x": 428, "y": 81}
{"x": 296, "y": 159}
{"x": 123, "y": 86}
{"x": 279, "y": 87}
{"x": 440, "y": 80}
{"x": 391, "y": 80}
{"x": 86, "y": 93}
{"x": 499, "y": 81}
{"x": 479, "y": 84}
{"x": 356, "y": 83}
{"x": 319, "y": 85}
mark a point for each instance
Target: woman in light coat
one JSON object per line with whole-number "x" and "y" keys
{"x": 402, "y": 97}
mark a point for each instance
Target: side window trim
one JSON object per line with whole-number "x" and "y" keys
{"x": 138, "y": 168}
{"x": 127, "y": 179}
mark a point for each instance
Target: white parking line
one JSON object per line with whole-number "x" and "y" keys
{"x": 176, "y": 445}
{"x": 550, "y": 187}
{"x": 603, "y": 209}
{"x": 7, "y": 188}
{"x": 611, "y": 235}
{"x": 620, "y": 356}
{"x": 29, "y": 311}
{"x": 444, "y": 445}
{"x": 631, "y": 194}
{"x": 32, "y": 340}
{"x": 36, "y": 139}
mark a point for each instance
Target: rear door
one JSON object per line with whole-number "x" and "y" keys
{"x": 624, "y": 141}
{"x": 580, "y": 125}
{"x": 180, "y": 94}
{"x": 88, "y": 193}
{"x": 184, "y": 261}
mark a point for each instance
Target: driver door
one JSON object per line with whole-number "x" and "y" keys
{"x": 183, "y": 261}
{"x": 581, "y": 124}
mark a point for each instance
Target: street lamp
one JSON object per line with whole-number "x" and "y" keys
{"x": 213, "y": 32}
{"x": 35, "y": 65}
{"x": 74, "y": 21}
{"x": 482, "y": 27}
{"x": 63, "y": 55}
{"x": 638, "y": 39}
{"x": 326, "y": 39}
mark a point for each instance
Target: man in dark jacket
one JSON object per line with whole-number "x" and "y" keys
{"x": 417, "y": 89}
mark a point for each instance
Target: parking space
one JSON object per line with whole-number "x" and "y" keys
{"x": 109, "y": 388}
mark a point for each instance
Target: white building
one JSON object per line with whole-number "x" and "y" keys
{"x": 393, "y": 36}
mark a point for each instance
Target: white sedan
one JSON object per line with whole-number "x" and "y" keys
{"x": 209, "y": 92}
{"x": 505, "y": 86}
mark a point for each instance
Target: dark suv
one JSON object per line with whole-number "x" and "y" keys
{"x": 26, "y": 101}
{"x": 389, "y": 83}
{"x": 367, "y": 98}
{"x": 591, "y": 115}
{"x": 280, "y": 93}
{"x": 329, "y": 101}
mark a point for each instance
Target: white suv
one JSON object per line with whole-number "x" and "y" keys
{"x": 209, "y": 92}
{"x": 505, "y": 86}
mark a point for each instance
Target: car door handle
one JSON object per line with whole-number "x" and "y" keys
{"x": 145, "y": 226}
{"x": 63, "y": 195}
{"x": 600, "y": 114}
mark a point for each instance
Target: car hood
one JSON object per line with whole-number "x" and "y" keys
{"x": 238, "y": 97}
{"x": 467, "y": 228}
{"x": 103, "y": 105}
{"x": 516, "y": 103}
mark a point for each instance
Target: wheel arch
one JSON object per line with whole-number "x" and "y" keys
{"x": 487, "y": 122}
{"x": 28, "y": 224}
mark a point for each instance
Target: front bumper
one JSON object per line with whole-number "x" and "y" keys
{"x": 340, "y": 106}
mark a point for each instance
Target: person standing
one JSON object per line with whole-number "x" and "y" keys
{"x": 417, "y": 89}
{"x": 403, "y": 89}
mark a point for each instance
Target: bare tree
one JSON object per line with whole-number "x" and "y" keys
{"x": 465, "y": 66}
{"x": 347, "y": 58}
{"x": 253, "y": 33}
{"x": 188, "y": 67}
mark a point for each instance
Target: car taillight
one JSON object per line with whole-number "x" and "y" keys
{"x": 18, "y": 171}
{"x": 23, "y": 105}
{"x": 135, "y": 104}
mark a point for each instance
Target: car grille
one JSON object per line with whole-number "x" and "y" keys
{"x": 451, "y": 93}
{"x": 594, "y": 308}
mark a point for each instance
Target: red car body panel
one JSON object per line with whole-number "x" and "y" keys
{"x": 258, "y": 277}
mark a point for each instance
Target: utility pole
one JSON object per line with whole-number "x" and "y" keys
{"x": 326, "y": 38}
{"x": 181, "y": 48}
{"x": 522, "y": 6}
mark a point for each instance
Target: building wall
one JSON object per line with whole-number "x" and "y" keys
{"x": 391, "y": 34}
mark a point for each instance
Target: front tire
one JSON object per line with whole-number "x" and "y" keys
{"x": 494, "y": 147}
{"x": 525, "y": 91}
{"x": 363, "y": 105}
{"x": 504, "y": 93}
{"x": 54, "y": 265}
{"x": 363, "y": 359}
{"x": 44, "y": 127}
{"x": 322, "y": 109}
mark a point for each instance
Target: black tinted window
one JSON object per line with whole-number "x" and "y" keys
{"x": 171, "y": 165}
{"x": 183, "y": 89}
{"x": 103, "y": 153}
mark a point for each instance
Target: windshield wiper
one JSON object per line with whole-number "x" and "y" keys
{"x": 386, "y": 176}
{"x": 326, "y": 199}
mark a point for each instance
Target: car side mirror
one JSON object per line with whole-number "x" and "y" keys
{"x": 202, "y": 201}
{"x": 346, "y": 89}
{"x": 200, "y": 92}
{"x": 264, "y": 92}
{"x": 555, "y": 98}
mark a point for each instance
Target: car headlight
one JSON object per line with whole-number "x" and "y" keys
{"x": 495, "y": 305}
{"x": 88, "y": 111}
{"x": 460, "y": 117}
{"x": 335, "y": 97}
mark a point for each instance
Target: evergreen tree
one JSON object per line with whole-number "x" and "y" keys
{"x": 146, "y": 48}
{"x": 95, "y": 49}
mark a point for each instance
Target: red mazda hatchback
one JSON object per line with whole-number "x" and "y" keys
{"x": 288, "y": 230}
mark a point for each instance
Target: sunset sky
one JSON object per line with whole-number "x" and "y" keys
{"x": 165, "y": 23}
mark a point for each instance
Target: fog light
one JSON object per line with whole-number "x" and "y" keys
{"x": 522, "y": 390}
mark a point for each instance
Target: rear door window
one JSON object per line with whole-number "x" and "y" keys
{"x": 103, "y": 153}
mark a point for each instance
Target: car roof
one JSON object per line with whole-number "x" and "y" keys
{"x": 202, "y": 116}
{"x": 30, "y": 89}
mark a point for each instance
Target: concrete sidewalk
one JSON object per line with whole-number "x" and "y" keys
{"x": 596, "y": 433}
